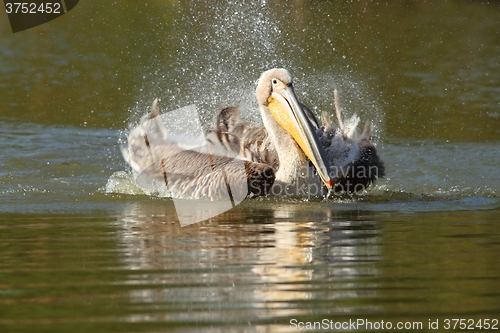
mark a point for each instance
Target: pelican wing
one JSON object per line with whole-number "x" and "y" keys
{"x": 160, "y": 161}
{"x": 251, "y": 143}
{"x": 352, "y": 154}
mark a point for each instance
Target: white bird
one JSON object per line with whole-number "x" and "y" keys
{"x": 290, "y": 151}
{"x": 291, "y": 140}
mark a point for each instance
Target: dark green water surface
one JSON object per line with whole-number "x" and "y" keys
{"x": 82, "y": 250}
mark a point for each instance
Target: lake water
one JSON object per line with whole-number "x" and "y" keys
{"x": 82, "y": 250}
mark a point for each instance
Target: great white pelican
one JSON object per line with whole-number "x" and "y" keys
{"x": 291, "y": 154}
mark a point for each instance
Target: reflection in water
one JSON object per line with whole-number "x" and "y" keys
{"x": 251, "y": 270}
{"x": 276, "y": 260}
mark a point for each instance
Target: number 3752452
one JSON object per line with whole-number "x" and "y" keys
{"x": 32, "y": 8}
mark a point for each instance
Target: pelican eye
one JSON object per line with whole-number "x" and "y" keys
{"x": 275, "y": 81}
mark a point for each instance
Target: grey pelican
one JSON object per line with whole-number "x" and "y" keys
{"x": 290, "y": 151}
{"x": 291, "y": 133}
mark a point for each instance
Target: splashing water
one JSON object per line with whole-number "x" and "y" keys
{"x": 224, "y": 49}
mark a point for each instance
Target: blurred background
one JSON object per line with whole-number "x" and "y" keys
{"x": 419, "y": 69}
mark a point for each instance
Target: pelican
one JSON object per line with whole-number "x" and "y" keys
{"x": 290, "y": 154}
{"x": 291, "y": 139}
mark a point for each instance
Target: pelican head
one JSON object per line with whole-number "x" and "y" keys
{"x": 275, "y": 92}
